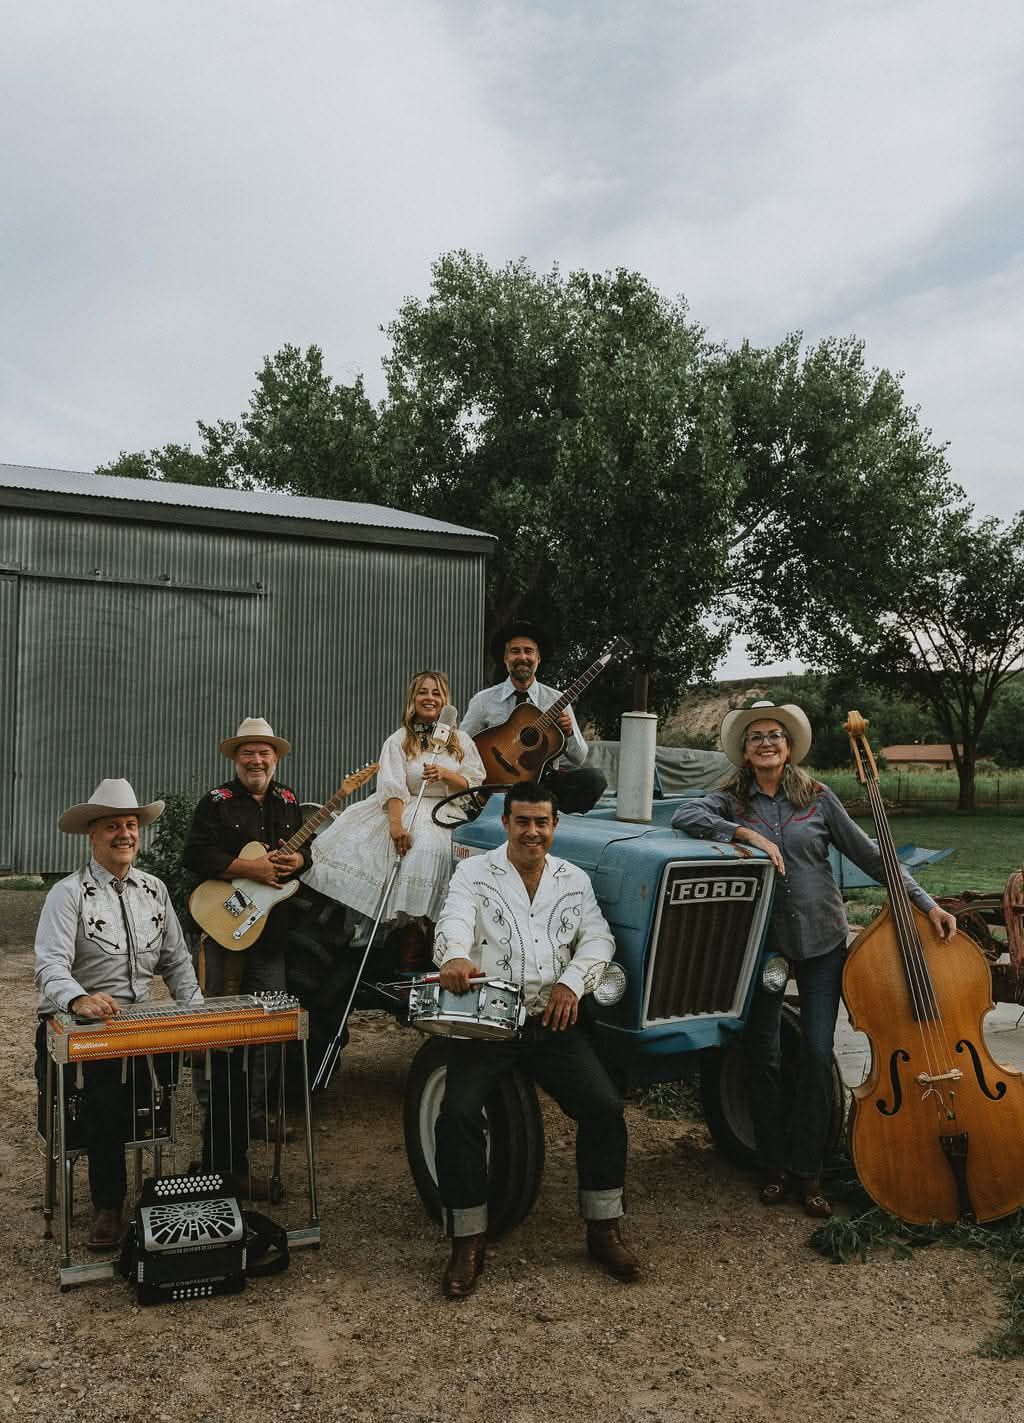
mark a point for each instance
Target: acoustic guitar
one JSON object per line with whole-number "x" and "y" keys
{"x": 522, "y": 747}
{"x": 234, "y": 912}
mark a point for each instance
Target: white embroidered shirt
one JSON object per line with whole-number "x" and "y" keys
{"x": 560, "y": 936}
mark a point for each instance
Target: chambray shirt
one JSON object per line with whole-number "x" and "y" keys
{"x": 559, "y": 936}
{"x": 85, "y": 944}
{"x": 807, "y": 917}
{"x": 494, "y": 705}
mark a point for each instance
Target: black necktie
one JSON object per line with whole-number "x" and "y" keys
{"x": 521, "y": 697}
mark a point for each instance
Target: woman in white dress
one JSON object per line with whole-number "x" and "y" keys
{"x": 353, "y": 857}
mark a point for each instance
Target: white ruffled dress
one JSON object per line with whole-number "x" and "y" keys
{"x": 353, "y": 857}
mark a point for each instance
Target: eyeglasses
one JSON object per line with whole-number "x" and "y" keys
{"x": 773, "y": 738}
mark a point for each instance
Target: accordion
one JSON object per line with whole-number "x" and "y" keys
{"x": 189, "y": 1239}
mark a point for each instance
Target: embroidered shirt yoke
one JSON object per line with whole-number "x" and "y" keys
{"x": 559, "y": 937}
{"x": 91, "y": 939}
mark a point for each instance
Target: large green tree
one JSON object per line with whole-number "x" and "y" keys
{"x": 638, "y": 480}
{"x": 579, "y": 420}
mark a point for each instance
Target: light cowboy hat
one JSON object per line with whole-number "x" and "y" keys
{"x": 735, "y": 723}
{"x": 254, "y": 728}
{"x": 109, "y": 798}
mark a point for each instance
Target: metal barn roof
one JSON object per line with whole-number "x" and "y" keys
{"x": 153, "y": 500}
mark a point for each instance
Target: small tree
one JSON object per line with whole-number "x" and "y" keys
{"x": 303, "y": 433}
{"x": 958, "y": 635}
{"x": 162, "y": 857}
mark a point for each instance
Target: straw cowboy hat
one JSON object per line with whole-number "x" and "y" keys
{"x": 109, "y": 798}
{"x": 254, "y": 728}
{"x": 735, "y": 723}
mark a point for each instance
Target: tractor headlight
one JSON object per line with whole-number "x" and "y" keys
{"x": 612, "y": 985}
{"x": 775, "y": 974}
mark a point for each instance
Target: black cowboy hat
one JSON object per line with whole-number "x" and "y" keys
{"x": 518, "y": 627}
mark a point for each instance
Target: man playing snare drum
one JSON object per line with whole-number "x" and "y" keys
{"x": 527, "y": 917}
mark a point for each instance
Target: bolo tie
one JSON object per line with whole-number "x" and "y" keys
{"x": 422, "y": 730}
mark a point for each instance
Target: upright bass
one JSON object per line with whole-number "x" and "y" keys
{"x": 937, "y": 1132}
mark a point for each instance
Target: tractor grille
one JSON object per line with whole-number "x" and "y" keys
{"x": 706, "y": 939}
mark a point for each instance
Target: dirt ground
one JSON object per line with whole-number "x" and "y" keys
{"x": 736, "y": 1318}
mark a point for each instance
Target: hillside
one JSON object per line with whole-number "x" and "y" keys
{"x": 702, "y": 711}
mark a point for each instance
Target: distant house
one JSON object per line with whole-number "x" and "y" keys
{"x": 938, "y": 757}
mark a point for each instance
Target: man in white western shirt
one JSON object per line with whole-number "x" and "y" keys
{"x": 520, "y": 914}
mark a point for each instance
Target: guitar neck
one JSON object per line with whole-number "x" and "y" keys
{"x": 319, "y": 818}
{"x": 581, "y": 683}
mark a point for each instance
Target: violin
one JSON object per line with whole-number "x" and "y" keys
{"x": 937, "y": 1127}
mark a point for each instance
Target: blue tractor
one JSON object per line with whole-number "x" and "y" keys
{"x": 689, "y": 919}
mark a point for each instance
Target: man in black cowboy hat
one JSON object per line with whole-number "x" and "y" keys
{"x": 519, "y": 645}
{"x": 103, "y": 934}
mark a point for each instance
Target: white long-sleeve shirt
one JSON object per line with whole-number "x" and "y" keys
{"x": 494, "y": 705}
{"x": 560, "y": 936}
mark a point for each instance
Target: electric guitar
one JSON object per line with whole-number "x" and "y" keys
{"x": 234, "y": 912}
{"x": 521, "y": 748}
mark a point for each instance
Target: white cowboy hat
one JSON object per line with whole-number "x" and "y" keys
{"x": 254, "y": 728}
{"x": 109, "y": 798}
{"x": 735, "y": 723}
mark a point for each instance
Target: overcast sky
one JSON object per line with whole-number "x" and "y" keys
{"x": 187, "y": 186}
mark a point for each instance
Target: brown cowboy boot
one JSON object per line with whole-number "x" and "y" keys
{"x": 465, "y": 1266}
{"x": 606, "y": 1245}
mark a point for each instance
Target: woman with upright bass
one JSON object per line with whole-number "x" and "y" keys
{"x": 773, "y": 805}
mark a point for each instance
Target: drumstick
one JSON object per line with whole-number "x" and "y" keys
{"x": 430, "y": 978}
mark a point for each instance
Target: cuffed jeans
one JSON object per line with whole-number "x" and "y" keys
{"x": 819, "y": 981}
{"x": 565, "y": 1064}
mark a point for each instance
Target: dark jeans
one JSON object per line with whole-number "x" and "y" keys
{"x": 567, "y": 1067}
{"x": 107, "y": 1122}
{"x": 235, "y": 1094}
{"x": 577, "y": 791}
{"x": 819, "y": 981}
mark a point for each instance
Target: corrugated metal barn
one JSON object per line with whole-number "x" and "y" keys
{"x": 140, "y": 621}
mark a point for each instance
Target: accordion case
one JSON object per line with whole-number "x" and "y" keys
{"x": 190, "y": 1239}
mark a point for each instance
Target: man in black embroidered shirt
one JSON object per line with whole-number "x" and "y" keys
{"x": 251, "y": 806}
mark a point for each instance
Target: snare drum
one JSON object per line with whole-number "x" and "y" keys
{"x": 489, "y": 1010}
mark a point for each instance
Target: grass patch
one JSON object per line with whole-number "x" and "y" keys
{"x": 926, "y": 788}
{"x": 842, "y": 1240}
{"x": 671, "y": 1101}
{"x": 987, "y": 849}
